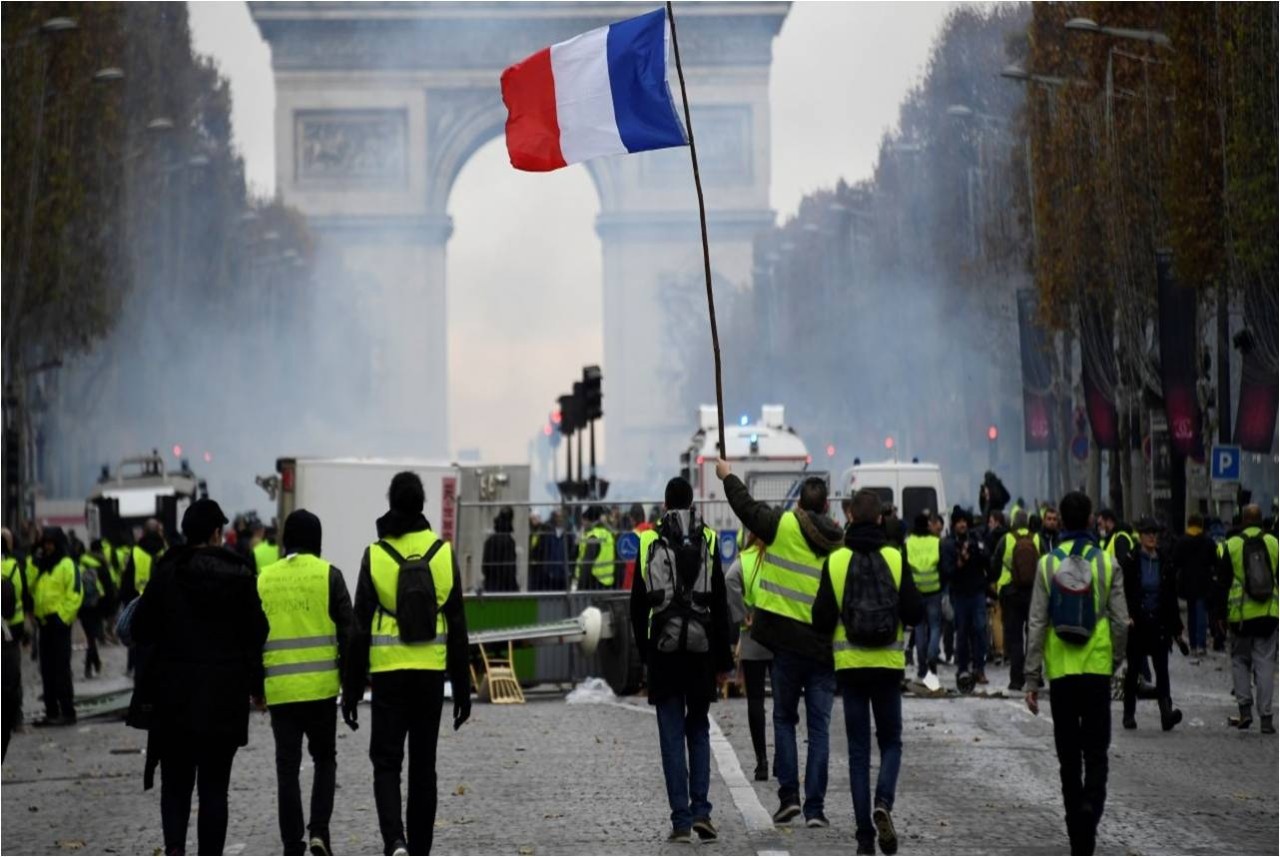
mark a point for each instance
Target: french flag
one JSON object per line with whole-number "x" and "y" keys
{"x": 604, "y": 92}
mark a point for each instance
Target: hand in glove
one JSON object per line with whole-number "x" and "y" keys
{"x": 461, "y": 712}
{"x": 351, "y": 714}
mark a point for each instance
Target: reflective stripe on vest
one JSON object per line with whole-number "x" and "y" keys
{"x": 1240, "y": 607}
{"x": 300, "y": 657}
{"x": 1094, "y": 657}
{"x": 603, "y": 568}
{"x": 1117, "y": 537}
{"x": 848, "y": 655}
{"x": 141, "y": 569}
{"x": 789, "y": 573}
{"x": 387, "y": 652}
{"x": 924, "y": 554}
{"x": 11, "y": 574}
{"x": 752, "y": 560}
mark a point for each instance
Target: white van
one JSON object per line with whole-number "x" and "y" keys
{"x": 913, "y": 488}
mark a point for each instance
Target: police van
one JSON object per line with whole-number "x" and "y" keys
{"x": 141, "y": 487}
{"x": 912, "y": 488}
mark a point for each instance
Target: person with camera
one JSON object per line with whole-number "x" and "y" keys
{"x": 866, "y": 596}
{"x": 964, "y": 564}
{"x": 680, "y": 617}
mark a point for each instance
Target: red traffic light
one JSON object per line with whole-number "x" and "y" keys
{"x": 177, "y": 450}
{"x": 888, "y": 442}
{"x": 208, "y": 457}
{"x": 831, "y": 450}
{"x": 992, "y": 433}
{"x": 555, "y": 417}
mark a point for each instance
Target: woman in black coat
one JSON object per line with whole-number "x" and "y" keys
{"x": 1151, "y": 590}
{"x": 200, "y": 629}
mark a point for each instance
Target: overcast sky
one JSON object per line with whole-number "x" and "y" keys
{"x": 839, "y": 72}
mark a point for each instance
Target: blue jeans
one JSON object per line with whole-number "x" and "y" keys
{"x": 971, "y": 632}
{"x": 1197, "y": 622}
{"x": 862, "y": 702}
{"x": 929, "y": 633}
{"x": 795, "y": 676}
{"x": 684, "y": 722}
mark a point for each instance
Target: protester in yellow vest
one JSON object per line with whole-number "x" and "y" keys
{"x": 265, "y": 549}
{"x": 924, "y": 554}
{"x": 1252, "y": 611}
{"x": 1026, "y": 548}
{"x": 1077, "y": 632}
{"x": 56, "y": 596}
{"x": 596, "y": 568}
{"x": 16, "y": 573}
{"x": 796, "y": 542}
{"x": 142, "y": 559}
{"x": 866, "y": 596}
{"x": 15, "y": 611}
{"x": 309, "y": 617}
{"x": 754, "y": 659}
{"x": 409, "y": 663}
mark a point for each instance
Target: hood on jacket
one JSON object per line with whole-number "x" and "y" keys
{"x": 151, "y": 542}
{"x": 395, "y": 524}
{"x": 48, "y": 559}
{"x": 865, "y": 537}
{"x": 302, "y": 533}
{"x": 505, "y": 521}
{"x": 823, "y": 534}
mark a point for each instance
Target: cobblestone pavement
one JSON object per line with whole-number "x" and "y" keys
{"x": 979, "y": 776}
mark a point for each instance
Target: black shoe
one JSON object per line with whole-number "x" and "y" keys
{"x": 1245, "y": 720}
{"x": 762, "y": 771}
{"x": 1170, "y": 719}
{"x": 887, "y": 836}
{"x": 866, "y": 847}
{"x": 818, "y": 820}
{"x": 319, "y": 846}
{"x": 399, "y": 849}
{"x": 53, "y": 721}
{"x": 681, "y": 834}
{"x": 705, "y": 829}
{"x": 786, "y": 812}
{"x": 1130, "y": 723}
{"x": 1268, "y": 725}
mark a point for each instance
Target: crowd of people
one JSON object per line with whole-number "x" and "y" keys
{"x": 219, "y": 619}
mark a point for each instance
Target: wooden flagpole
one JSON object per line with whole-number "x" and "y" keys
{"x": 702, "y": 218}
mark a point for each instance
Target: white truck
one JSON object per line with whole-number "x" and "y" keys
{"x": 350, "y": 494}
{"x": 141, "y": 487}
{"x": 912, "y": 487}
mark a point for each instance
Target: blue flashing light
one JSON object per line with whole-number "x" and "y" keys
{"x": 743, "y": 420}
{"x": 755, "y": 439}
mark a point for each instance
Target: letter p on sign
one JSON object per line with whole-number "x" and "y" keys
{"x": 1225, "y": 463}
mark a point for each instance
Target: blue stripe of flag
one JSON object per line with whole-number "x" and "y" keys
{"x": 642, "y": 102}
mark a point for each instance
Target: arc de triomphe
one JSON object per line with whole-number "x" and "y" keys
{"x": 379, "y": 106}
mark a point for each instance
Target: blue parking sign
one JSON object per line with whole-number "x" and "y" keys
{"x": 628, "y": 546}
{"x": 728, "y": 546}
{"x": 1224, "y": 463}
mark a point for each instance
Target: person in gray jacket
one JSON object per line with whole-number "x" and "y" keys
{"x": 753, "y": 658}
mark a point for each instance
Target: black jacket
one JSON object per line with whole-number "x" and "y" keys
{"x": 823, "y": 535}
{"x": 1195, "y": 558}
{"x": 965, "y": 574}
{"x": 865, "y": 538}
{"x": 200, "y": 631}
{"x": 498, "y": 563}
{"x": 1167, "y": 618}
{"x": 691, "y": 674}
{"x": 356, "y": 668}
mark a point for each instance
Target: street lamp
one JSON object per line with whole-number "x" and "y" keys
{"x": 59, "y": 25}
{"x": 1088, "y": 25}
{"x": 160, "y": 124}
{"x": 110, "y": 74}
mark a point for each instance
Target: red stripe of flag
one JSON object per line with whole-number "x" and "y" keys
{"x": 533, "y": 131}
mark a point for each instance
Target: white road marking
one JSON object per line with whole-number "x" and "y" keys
{"x": 232, "y": 850}
{"x": 756, "y": 818}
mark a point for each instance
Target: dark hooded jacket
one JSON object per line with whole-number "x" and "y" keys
{"x": 200, "y": 630}
{"x": 498, "y": 563}
{"x": 823, "y": 535}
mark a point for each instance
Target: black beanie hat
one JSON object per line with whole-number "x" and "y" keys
{"x": 201, "y": 520}
{"x": 302, "y": 533}
{"x": 679, "y": 494}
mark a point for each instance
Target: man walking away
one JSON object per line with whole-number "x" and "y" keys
{"x": 200, "y": 629}
{"x": 309, "y": 618}
{"x": 796, "y": 542}
{"x": 1015, "y": 561}
{"x": 680, "y": 618}
{"x": 866, "y": 596}
{"x": 1247, "y": 573}
{"x": 924, "y": 557}
{"x": 498, "y": 562}
{"x": 1195, "y": 557}
{"x": 754, "y": 659}
{"x": 56, "y": 596}
{"x": 99, "y": 603}
{"x": 1076, "y": 631}
{"x": 1151, "y": 591}
{"x": 410, "y": 634}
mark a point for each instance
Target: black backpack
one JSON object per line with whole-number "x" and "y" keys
{"x": 416, "y": 607}
{"x": 870, "y": 607}
{"x": 1259, "y": 579}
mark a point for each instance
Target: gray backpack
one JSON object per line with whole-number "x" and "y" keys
{"x": 1259, "y": 578}
{"x": 679, "y": 590}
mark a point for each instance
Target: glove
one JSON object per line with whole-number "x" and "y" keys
{"x": 1182, "y": 646}
{"x": 461, "y": 712}
{"x": 351, "y": 715}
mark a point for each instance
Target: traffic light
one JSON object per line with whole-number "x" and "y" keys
{"x": 569, "y": 422}
{"x": 593, "y": 397}
{"x": 992, "y": 433}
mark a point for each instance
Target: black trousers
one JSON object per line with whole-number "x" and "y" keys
{"x": 55, "y": 668}
{"x": 753, "y": 673}
{"x": 317, "y": 722}
{"x": 1145, "y": 641}
{"x": 91, "y": 621}
{"x": 1081, "y": 708}
{"x": 406, "y": 704}
{"x": 1015, "y": 606}
{"x": 195, "y": 761}
{"x": 11, "y": 699}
